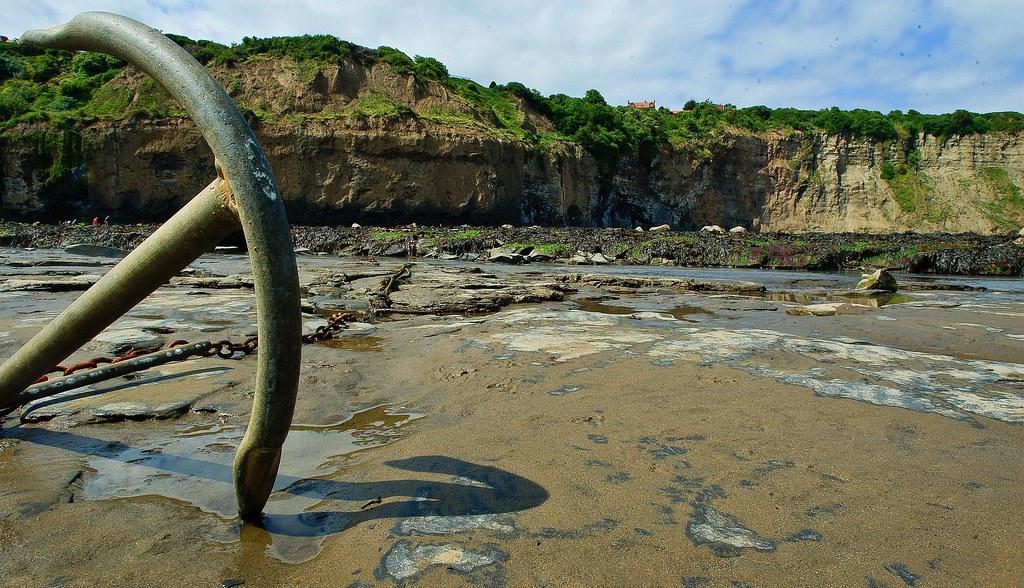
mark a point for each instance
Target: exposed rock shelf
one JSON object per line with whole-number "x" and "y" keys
{"x": 963, "y": 254}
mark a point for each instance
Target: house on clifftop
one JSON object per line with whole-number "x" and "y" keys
{"x": 643, "y": 104}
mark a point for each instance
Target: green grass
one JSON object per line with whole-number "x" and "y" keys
{"x": 493, "y": 101}
{"x": 855, "y": 247}
{"x": 637, "y": 255}
{"x": 552, "y": 249}
{"x": 115, "y": 101}
{"x": 306, "y": 70}
{"x": 388, "y": 236}
{"x": 552, "y": 142}
{"x": 878, "y": 261}
{"x": 450, "y": 238}
{"x": 109, "y": 102}
{"x": 742, "y": 257}
{"x": 909, "y": 191}
{"x": 913, "y": 192}
{"x": 676, "y": 239}
{"x": 899, "y": 257}
{"x": 1007, "y": 211}
{"x": 378, "y": 105}
{"x": 448, "y": 117}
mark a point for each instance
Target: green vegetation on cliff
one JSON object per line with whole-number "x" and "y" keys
{"x": 65, "y": 89}
{"x": 45, "y": 85}
{"x": 913, "y": 191}
{"x": 1008, "y": 206}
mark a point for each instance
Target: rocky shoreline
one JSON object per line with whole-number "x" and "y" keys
{"x": 954, "y": 254}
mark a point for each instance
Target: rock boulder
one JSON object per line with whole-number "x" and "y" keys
{"x": 879, "y": 280}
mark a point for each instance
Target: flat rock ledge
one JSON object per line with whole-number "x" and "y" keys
{"x": 50, "y": 284}
{"x": 686, "y": 284}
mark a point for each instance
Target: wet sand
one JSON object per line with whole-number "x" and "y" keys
{"x": 620, "y": 436}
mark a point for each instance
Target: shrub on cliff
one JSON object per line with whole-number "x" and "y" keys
{"x": 857, "y": 122}
{"x": 204, "y": 52}
{"x": 300, "y": 48}
{"x": 424, "y": 68}
{"x": 888, "y": 172}
{"x": 591, "y": 122}
{"x": 429, "y": 68}
{"x": 9, "y": 67}
{"x": 399, "y": 61}
{"x": 86, "y": 64}
{"x": 16, "y": 98}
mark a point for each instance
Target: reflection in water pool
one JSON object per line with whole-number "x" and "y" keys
{"x": 681, "y": 312}
{"x": 816, "y": 297}
{"x": 194, "y": 467}
{"x": 364, "y": 343}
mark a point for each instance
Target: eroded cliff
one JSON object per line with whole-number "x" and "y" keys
{"x": 357, "y": 141}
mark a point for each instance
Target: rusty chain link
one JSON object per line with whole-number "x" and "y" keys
{"x": 334, "y": 325}
{"x": 382, "y": 299}
{"x": 226, "y": 349}
{"x": 96, "y": 361}
{"x": 140, "y": 359}
{"x": 223, "y": 349}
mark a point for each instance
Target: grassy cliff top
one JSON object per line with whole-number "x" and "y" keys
{"x": 66, "y": 89}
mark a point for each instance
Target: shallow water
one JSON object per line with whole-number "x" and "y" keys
{"x": 683, "y": 312}
{"x": 363, "y": 343}
{"x": 192, "y": 466}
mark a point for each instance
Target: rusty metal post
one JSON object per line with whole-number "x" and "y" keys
{"x": 259, "y": 208}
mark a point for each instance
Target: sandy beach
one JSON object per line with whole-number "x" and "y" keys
{"x": 541, "y": 425}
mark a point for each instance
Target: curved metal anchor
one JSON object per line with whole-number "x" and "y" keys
{"x": 244, "y": 191}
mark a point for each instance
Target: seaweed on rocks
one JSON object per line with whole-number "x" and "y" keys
{"x": 955, "y": 254}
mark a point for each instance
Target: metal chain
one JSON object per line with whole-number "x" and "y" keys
{"x": 96, "y": 361}
{"x": 334, "y": 325}
{"x": 138, "y": 360}
{"x": 382, "y": 299}
{"x": 223, "y": 349}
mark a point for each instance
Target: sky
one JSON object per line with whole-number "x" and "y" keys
{"x": 933, "y": 56}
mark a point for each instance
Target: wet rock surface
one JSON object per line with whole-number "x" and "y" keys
{"x": 496, "y": 424}
{"x": 878, "y": 280}
{"x": 827, "y": 309}
{"x": 955, "y": 254}
{"x": 52, "y": 284}
{"x": 631, "y": 283}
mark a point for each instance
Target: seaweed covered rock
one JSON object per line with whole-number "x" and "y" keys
{"x": 879, "y": 280}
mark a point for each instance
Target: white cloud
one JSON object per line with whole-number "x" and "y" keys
{"x": 928, "y": 55}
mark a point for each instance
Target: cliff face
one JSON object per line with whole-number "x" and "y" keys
{"x": 826, "y": 183}
{"x": 353, "y": 143}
